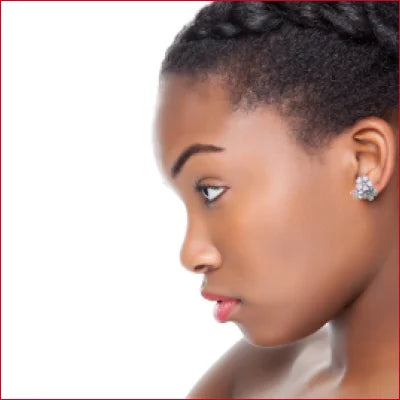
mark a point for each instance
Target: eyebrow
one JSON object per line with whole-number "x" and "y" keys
{"x": 191, "y": 150}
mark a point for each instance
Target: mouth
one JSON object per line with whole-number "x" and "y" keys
{"x": 224, "y": 309}
{"x": 238, "y": 300}
{"x": 224, "y": 306}
{"x": 216, "y": 297}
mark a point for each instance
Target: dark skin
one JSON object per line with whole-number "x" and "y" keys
{"x": 286, "y": 237}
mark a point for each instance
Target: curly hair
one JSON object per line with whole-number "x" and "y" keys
{"x": 323, "y": 65}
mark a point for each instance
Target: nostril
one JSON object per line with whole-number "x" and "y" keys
{"x": 198, "y": 268}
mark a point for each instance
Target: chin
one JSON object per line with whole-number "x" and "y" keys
{"x": 266, "y": 337}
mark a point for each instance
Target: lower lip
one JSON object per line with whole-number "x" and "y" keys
{"x": 224, "y": 309}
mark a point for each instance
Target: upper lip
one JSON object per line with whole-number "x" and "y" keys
{"x": 216, "y": 297}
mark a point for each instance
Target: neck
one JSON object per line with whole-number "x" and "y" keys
{"x": 365, "y": 335}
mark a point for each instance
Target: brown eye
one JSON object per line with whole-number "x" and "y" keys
{"x": 210, "y": 191}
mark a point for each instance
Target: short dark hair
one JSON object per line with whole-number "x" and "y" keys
{"x": 324, "y": 65}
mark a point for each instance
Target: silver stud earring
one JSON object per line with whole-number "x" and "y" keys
{"x": 364, "y": 189}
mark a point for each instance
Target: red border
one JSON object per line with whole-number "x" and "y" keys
{"x": 2, "y": 1}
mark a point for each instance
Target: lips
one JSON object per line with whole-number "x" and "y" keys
{"x": 216, "y": 297}
{"x": 224, "y": 307}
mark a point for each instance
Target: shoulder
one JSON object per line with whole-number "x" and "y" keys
{"x": 218, "y": 379}
{"x": 241, "y": 362}
{"x": 243, "y": 368}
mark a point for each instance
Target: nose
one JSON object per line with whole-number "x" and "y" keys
{"x": 198, "y": 254}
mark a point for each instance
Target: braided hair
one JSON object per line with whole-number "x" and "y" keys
{"x": 323, "y": 65}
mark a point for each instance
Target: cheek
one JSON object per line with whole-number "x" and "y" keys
{"x": 301, "y": 260}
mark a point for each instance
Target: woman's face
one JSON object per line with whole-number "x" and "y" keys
{"x": 283, "y": 234}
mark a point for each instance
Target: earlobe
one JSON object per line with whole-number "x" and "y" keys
{"x": 375, "y": 150}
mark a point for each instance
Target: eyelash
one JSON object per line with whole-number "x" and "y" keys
{"x": 199, "y": 188}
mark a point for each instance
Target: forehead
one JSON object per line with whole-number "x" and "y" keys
{"x": 189, "y": 113}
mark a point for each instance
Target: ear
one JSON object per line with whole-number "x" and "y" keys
{"x": 375, "y": 150}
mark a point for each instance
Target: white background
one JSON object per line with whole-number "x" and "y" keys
{"x": 95, "y": 302}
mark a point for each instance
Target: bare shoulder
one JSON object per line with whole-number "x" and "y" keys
{"x": 242, "y": 370}
{"x": 239, "y": 361}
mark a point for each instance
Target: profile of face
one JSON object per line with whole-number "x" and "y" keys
{"x": 270, "y": 224}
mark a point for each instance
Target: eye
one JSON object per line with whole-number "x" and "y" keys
{"x": 212, "y": 191}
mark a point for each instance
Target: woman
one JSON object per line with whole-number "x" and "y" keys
{"x": 277, "y": 126}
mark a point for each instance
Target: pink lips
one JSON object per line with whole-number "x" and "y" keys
{"x": 224, "y": 307}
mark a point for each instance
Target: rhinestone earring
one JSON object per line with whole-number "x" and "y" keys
{"x": 364, "y": 189}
